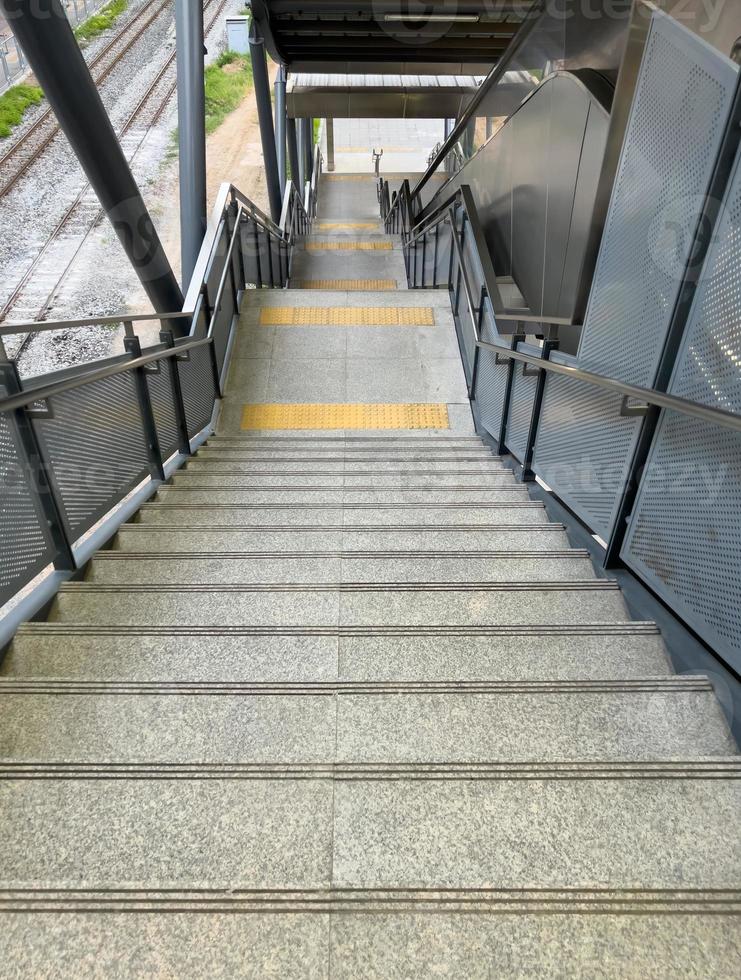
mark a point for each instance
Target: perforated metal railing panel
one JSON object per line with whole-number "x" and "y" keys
{"x": 521, "y": 406}
{"x": 571, "y": 454}
{"x": 199, "y": 391}
{"x": 491, "y": 382}
{"x": 95, "y": 448}
{"x": 685, "y": 533}
{"x": 159, "y": 383}
{"x": 683, "y": 97}
{"x": 682, "y": 102}
{"x": 24, "y": 551}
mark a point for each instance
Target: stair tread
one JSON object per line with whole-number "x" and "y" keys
{"x": 360, "y": 721}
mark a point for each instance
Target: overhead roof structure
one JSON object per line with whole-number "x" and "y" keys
{"x": 383, "y": 35}
{"x": 378, "y": 96}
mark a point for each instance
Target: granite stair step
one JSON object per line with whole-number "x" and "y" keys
{"x": 601, "y": 651}
{"x": 518, "y": 826}
{"x": 178, "y": 539}
{"x": 412, "y": 932}
{"x": 381, "y": 454}
{"x": 400, "y": 604}
{"x": 179, "y": 495}
{"x": 360, "y": 721}
{"x": 362, "y": 515}
{"x": 121, "y": 568}
{"x": 340, "y": 466}
{"x": 190, "y": 477}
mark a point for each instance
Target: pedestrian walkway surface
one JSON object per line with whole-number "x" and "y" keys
{"x": 342, "y": 701}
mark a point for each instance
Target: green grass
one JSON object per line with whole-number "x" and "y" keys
{"x": 228, "y": 80}
{"x": 101, "y": 21}
{"x": 14, "y": 103}
{"x": 317, "y": 124}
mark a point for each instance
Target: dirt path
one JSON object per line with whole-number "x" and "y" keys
{"x": 233, "y": 153}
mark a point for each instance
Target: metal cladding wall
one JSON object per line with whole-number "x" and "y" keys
{"x": 685, "y": 533}
{"x": 683, "y": 99}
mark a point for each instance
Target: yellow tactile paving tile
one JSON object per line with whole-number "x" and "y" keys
{"x": 347, "y": 316}
{"x": 345, "y": 416}
{"x": 340, "y": 225}
{"x": 340, "y": 246}
{"x": 366, "y": 285}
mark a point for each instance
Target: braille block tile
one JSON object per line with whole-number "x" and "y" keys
{"x": 345, "y": 416}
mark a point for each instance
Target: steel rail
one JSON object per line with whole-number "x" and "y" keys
{"x": 673, "y": 403}
{"x": 69, "y": 213}
{"x": 532, "y": 19}
{"x": 141, "y": 22}
{"x": 43, "y": 392}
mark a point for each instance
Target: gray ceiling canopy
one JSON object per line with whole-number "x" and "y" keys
{"x": 315, "y": 35}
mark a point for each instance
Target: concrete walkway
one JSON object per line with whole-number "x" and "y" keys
{"x": 341, "y": 702}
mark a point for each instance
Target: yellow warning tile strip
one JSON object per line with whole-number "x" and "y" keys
{"x": 345, "y": 416}
{"x": 349, "y": 246}
{"x": 339, "y": 225}
{"x": 347, "y": 316}
{"x": 347, "y": 284}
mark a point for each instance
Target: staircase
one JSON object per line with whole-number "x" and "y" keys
{"x": 342, "y": 701}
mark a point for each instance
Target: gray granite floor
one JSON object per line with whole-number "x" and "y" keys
{"x": 345, "y": 704}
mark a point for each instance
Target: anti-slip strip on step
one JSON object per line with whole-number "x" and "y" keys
{"x": 106, "y": 556}
{"x": 399, "y": 632}
{"x": 345, "y": 416}
{"x": 672, "y": 769}
{"x": 179, "y": 588}
{"x": 388, "y": 632}
{"x": 352, "y": 528}
{"x": 358, "y": 901}
{"x": 519, "y": 490}
{"x": 348, "y": 285}
{"x": 347, "y": 316}
{"x": 348, "y": 246}
{"x": 62, "y": 687}
{"x": 412, "y": 505}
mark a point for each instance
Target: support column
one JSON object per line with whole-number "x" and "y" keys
{"x": 292, "y": 140}
{"x": 280, "y": 126}
{"x": 329, "y": 125}
{"x": 301, "y": 138}
{"x": 55, "y": 58}
{"x": 265, "y": 115}
{"x": 191, "y": 133}
{"x": 308, "y": 147}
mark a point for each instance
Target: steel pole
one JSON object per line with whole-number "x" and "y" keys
{"x": 329, "y": 124}
{"x": 292, "y": 141}
{"x": 308, "y": 147}
{"x": 280, "y": 126}
{"x": 301, "y": 138}
{"x": 265, "y": 116}
{"x": 191, "y": 133}
{"x": 55, "y": 58}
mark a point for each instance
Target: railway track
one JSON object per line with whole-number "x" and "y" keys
{"x": 31, "y": 144}
{"x": 35, "y": 293}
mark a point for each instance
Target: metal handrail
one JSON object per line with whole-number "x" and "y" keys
{"x": 650, "y": 396}
{"x": 38, "y": 394}
{"x": 8, "y": 329}
{"x": 659, "y": 399}
{"x": 533, "y": 17}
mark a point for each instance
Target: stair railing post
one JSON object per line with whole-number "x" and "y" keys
{"x": 528, "y": 474}
{"x": 149, "y": 426}
{"x": 178, "y": 402}
{"x": 511, "y": 364}
{"x": 40, "y": 478}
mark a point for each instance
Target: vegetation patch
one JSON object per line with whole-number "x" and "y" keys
{"x": 227, "y": 80}
{"x": 101, "y": 21}
{"x": 13, "y": 105}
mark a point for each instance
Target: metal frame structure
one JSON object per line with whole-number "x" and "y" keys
{"x": 138, "y": 415}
